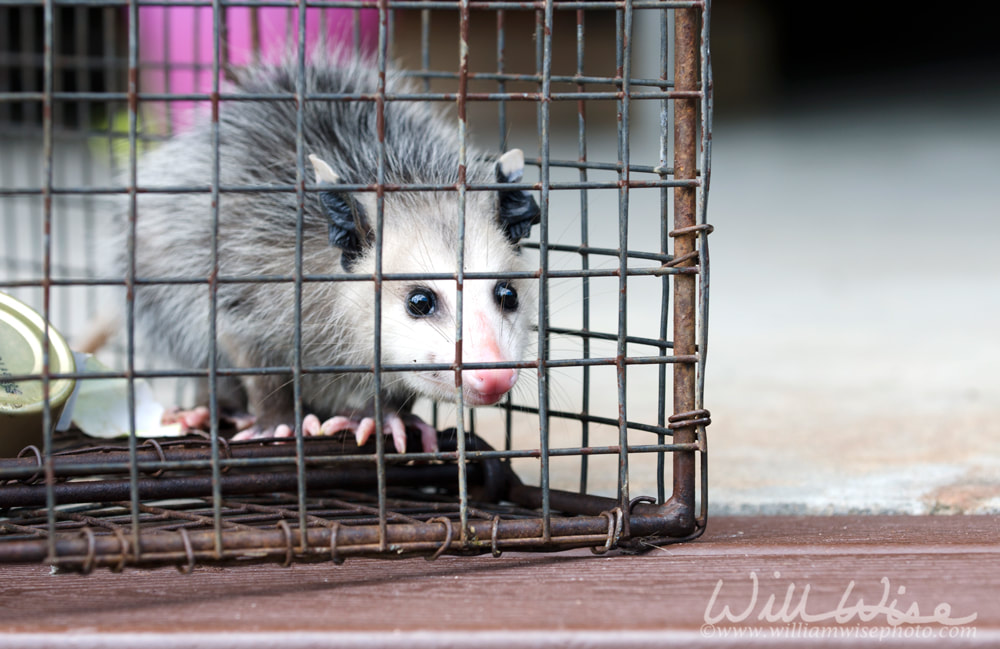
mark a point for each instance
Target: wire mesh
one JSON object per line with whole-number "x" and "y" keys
{"x": 87, "y": 89}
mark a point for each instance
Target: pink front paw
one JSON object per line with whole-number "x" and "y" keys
{"x": 199, "y": 418}
{"x": 310, "y": 426}
{"x": 363, "y": 429}
{"x": 194, "y": 419}
{"x": 394, "y": 424}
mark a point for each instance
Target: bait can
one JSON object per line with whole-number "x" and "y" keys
{"x": 22, "y": 400}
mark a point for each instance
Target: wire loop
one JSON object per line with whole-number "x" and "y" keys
{"x": 289, "y": 548}
{"x": 614, "y": 530}
{"x": 447, "y": 540}
{"x": 493, "y": 537}
{"x": 188, "y": 551}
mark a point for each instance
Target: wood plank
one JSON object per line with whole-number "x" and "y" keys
{"x": 547, "y": 600}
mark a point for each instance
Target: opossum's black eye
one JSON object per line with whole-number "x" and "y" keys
{"x": 506, "y": 296}
{"x": 421, "y": 302}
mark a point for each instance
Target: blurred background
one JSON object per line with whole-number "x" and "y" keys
{"x": 856, "y": 285}
{"x": 853, "y": 347}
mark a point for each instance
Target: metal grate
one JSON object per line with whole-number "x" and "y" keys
{"x": 555, "y": 464}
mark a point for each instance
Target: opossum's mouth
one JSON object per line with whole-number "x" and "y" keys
{"x": 470, "y": 395}
{"x": 476, "y": 398}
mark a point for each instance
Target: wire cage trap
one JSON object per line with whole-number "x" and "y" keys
{"x": 611, "y": 399}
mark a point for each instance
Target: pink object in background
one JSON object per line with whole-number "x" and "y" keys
{"x": 176, "y": 46}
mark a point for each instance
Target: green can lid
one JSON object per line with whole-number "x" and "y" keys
{"x": 22, "y": 332}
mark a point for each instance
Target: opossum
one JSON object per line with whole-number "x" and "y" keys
{"x": 255, "y": 322}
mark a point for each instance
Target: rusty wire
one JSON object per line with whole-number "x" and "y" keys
{"x": 206, "y": 500}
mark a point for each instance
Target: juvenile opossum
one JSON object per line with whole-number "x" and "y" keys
{"x": 257, "y": 237}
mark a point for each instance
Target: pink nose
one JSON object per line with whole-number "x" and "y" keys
{"x": 485, "y": 387}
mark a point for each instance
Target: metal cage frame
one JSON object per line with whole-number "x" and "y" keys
{"x": 208, "y": 500}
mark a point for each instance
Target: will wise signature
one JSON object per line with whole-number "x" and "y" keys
{"x": 794, "y": 606}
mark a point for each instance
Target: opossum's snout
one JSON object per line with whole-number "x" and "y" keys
{"x": 483, "y": 387}
{"x": 486, "y": 387}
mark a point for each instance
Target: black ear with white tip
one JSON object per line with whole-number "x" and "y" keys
{"x": 518, "y": 209}
{"x": 348, "y": 228}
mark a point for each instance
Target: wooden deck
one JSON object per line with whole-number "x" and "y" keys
{"x": 847, "y": 581}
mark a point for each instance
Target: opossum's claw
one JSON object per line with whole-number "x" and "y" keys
{"x": 337, "y": 424}
{"x": 364, "y": 430}
{"x": 398, "y": 429}
{"x": 310, "y": 425}
{"x": 392, "y": 424}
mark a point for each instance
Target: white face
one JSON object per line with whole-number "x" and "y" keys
{"x": 419, "y": 316}
{"x": 419, "y": 326}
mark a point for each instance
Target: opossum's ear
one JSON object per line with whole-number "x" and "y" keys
{"x": 348, "y": 228}
{"x": 518, "y": 209}
{"x": 324, "y": 172}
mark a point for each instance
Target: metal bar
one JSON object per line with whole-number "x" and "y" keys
{"x": 414, "y": 367}
{"x": 686, "y": 31}
{"x": 624, "y": 54}
{"x": 655, "y": 271}
{"x": 94, "y": 63}
{"x": 195, "y": 546}
{"x": 82, "y": 28}
{"x": 7, "y": 170}
{"x": 703, "y": 260}
{"x": 106, "y": 462}
{"x": 508, "y": 436}
{"x": 30, "y": 114}
{"x": 200, "y": 189}
{"x": 300, "y": 178}
{"x": 133, "y": 123}
{"x": 390, "y": 29}
{"x": 501, "y": 77}
{"x": 383, "y": 26}
{"x": 543, "y": 34}
{"x": 581, "y": 108}
{"x": 167, "y": 67}
{"x": 197, "y": 67}
{"x": 29, "y": 98}
{"x": 111, "y": 59}
{"x": 7, "y": 65}
{"x": 228, "y": 484}
{"x": 213, "y": 285}
{"x": 661, "y": 398}
{"x": 463, "y": 88}
{"x": 425, "y": 48}
{"x": 32, "y": 96}
{"x": 47, "y": 85}
{"x": 501, "y": 80}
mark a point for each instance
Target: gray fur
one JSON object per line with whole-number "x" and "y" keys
{"x": 256, "y": 234}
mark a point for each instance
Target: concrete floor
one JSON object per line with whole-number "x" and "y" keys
{"x": 856, "y": 309}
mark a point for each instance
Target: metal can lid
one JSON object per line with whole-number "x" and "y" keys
{"x": 22, "y": 332}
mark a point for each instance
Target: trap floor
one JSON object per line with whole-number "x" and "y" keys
{"x": 947, "y": 567}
